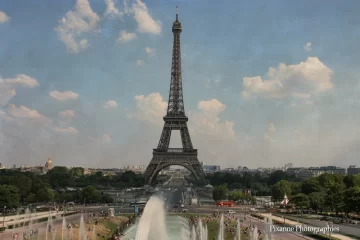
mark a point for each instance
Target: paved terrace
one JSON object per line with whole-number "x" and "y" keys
{"x": 293, "y": 223}
{"x": 18, "y": 219}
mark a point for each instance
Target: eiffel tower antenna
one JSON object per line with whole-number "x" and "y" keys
{"x": 177, "y": 13}
{"x": 175, "y": 119}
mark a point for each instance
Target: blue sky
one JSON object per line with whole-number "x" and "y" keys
{"x": 265, "y": 83}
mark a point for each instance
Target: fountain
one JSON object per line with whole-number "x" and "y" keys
{"x": 82, "y": 230}
{"x": 221, "y": 235}
{"x": 193, "y": 233}
{"x": 255, "y": 235}
{"x": 200, "y": 230}
{"x": 153, "y": 218}
{"x": 71, "y": 234}
{"x": 48, "y": 226}
{"x": 111, "y": 212}
{"x": 238, "y": 230}
{"x": 206, "y": 232}
{"x": 155, "y": 225}
{"x": 63, "y": 229}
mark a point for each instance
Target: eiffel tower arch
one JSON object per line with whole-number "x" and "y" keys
{"x": 175, "y": 119}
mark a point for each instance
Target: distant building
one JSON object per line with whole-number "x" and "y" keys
{"x": 353, "y": 170}
{"x": 288, "y": 165}
{"x": 229, "y": 170}
{"x": 305, "y": 173}
{"x": 211, "y": 168}
{"x": 49, "y": 164}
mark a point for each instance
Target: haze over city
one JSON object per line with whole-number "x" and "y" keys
{"x": 87, "y": 82}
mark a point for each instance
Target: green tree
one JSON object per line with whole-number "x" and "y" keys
{"x": 276, "y": 177}
{"x": 90, "y": 194}
{"x": 9, "y": 196}
{"x": 236, "y": 195}
{"x": 106, "y": 198}
{"x": 77, "y": 172}
{"x": 310, "y": 185}
{"x": 220, "y": 192}
{"x": 31, "y": 198}
{"x": 352, "y": 199}
{"x": 335, "y": 197}
{"x": 59, "y": 177}
{"x": 317, "y": 201}
{"x": 301, "y": 200}
{"x": 45, "y": 194}
{"x": 23, "y": 183}
{"x": 295, "y": 188}
{"x": 279, "y": 190}
{"x": 328, "y": 180}
{"x": 38, "y": 184}
{"x": 352, "y": 180}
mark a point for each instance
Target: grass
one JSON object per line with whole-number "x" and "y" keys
{"x": 107, "y": 228}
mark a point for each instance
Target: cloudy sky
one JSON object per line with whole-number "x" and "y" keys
{"x": 86, "y": 82}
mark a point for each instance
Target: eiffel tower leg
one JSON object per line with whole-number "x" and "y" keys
{"x": 165, "y": 138}
{"x": 185, "y": 138}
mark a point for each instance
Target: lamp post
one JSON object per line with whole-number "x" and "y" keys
{"x": 4, "y": 219}
{"x": 330, "y": 230}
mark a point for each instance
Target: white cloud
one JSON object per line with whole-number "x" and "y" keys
{"x": 6, "y": 93}
{"x": 146, "y": 24}
{"x": 308, "y": 47}
{"x": 64, "y": 96}
{"x": 3, "y": 17}
{"x": 20, "y": 79}
{"x": 126, "y": 36}
{"x": 67, "y": 114}
{"x": 300, "y": 81}
{"x": 140, "y": 62}
{"x": 8, "y": 85}
{"x": 110, "y": 104}
{"x": 111, "y": 9}
{"x": 25, "y": 113}
{"x": 106, "y": 138}
{"x": 67, "y": 130}
{"x": 151, "y": 108}
{"x": 81, "y": 20}
{"x": 150, "y": 51}
{"x": 212, "y": 107}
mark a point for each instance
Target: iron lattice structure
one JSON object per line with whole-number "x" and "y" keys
{"x": 175, "y": 119}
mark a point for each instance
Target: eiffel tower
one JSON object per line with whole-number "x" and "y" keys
{"x": 175, "y": 119}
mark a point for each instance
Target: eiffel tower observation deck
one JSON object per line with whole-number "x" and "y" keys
{"x": 175, "y": 119}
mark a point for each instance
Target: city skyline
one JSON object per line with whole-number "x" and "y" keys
{"x": 86, "y": 82}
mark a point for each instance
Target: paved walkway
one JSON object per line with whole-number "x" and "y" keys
{"x": 276, "y": 235}
{"x": 293, "y": 223}
{"x": 20, "y": 219}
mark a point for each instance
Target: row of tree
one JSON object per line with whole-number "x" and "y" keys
{"x": 327, "y": 192}
{"x": 19, "y": 188}
{"x": 259, "y": 183}
{"x": 221, "y": 192}
{"x": 330, "y": 192}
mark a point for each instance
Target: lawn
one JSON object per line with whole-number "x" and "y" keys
{"x": 106, "y": 227}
